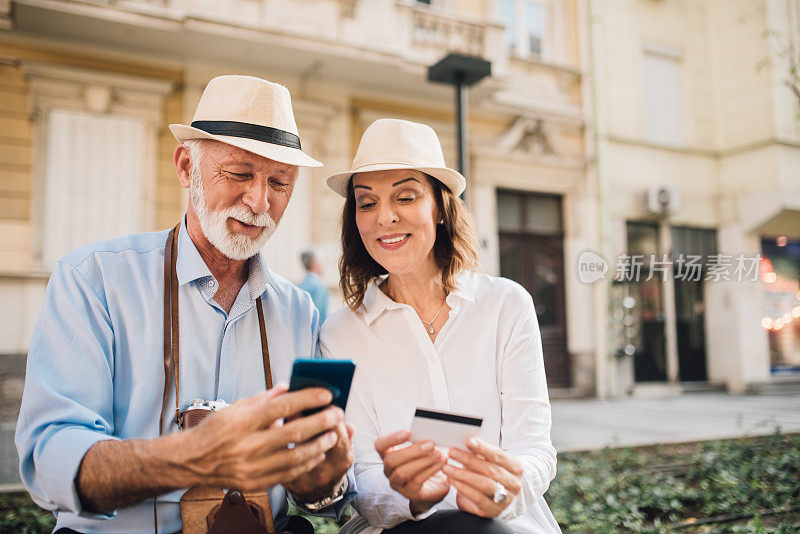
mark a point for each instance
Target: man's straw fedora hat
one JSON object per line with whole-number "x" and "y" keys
{"x": 249, "y": 113}
{"x": 391, "y": 144}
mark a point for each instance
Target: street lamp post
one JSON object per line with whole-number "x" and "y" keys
{"x": 461, "y": 72}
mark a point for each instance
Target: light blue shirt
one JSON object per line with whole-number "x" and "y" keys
{"x": 95, "y": 365}
{"x": 315, "y": 287}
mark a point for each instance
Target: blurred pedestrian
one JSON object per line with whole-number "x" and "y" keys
{"x": 313, "y": 283}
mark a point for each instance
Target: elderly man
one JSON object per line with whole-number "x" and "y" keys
{"x": 134, "y": 329}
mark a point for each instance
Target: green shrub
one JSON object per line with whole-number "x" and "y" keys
{"x": 646, "y": 490}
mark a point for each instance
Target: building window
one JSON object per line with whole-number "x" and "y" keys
{"x": 534, "y": 22}
{"x": 94, "y": 179}
{"x": 94, "y": 158}
{"x": 663, "y": 98}
{"x": 525, "y": 25}
{"x": 647, "y": 308}
{"x": 780, "y": 276}
{"x": 692, "y": 248}
{"x": 506, "y": 12}
{"x": 688, "y": 241}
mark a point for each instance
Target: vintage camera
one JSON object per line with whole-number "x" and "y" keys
{"x": 197, "y": 411}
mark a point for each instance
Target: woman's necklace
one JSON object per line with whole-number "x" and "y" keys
{"x": 430, "y": 323}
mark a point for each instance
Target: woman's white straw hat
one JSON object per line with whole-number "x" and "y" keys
{"x": 391, "y": 144}
{"x": 249, "y": 113}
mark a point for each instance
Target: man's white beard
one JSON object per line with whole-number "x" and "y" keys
{"x": 214, "y": 223}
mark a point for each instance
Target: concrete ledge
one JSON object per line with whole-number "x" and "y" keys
{"x": 568, "y": 393}
{"x": 656, "y": 390}
{"x": 702, "y": 387}
{"x": 777, "y": 385}
{"x": 12, "y": 488}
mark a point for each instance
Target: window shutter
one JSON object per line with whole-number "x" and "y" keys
{"x": 94, "y": 179}
{"x": 663, "y": 99}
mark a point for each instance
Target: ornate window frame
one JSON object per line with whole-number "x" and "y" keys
{"x": 55, "y": 86}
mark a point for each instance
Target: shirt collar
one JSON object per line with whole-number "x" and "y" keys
{"x": 376, "y": 301}
{"x": 465, "y": 287}
{"x": 259, "y": 276}
{"x": 190, "y": 265}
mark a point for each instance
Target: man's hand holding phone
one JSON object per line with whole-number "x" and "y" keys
{"x": 245, "y": 447}
{"x": 324, "y": 479}
{"x": 335, "y": 376}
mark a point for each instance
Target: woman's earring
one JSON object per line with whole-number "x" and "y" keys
{"x": 441, "y": 221}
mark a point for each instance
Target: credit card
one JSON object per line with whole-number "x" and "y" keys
{"x": 445, "y": 429}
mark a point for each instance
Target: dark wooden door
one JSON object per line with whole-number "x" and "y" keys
{"x": 689, "y": 306}
{"x": 688, "y": 242}
{"x": 536, "y": 261}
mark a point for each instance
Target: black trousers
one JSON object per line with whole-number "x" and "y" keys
{"x": 293, "y": 523}
{"x": 451, "y": 522}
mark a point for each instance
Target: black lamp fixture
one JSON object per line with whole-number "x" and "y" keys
{"x": 461, "y": 71}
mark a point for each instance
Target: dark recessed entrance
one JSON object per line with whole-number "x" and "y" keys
{"x": 532, "y": 253}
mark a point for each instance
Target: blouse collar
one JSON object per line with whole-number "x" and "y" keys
{"x": 376, "y": 301}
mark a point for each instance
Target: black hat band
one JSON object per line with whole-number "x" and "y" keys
{"x": 249, "y": 131}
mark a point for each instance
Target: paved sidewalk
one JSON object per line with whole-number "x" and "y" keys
{"x": 594, "y": 424}
{"x": 9, "y": 463}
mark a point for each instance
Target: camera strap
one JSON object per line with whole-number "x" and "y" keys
{"x": 171, "y": 364}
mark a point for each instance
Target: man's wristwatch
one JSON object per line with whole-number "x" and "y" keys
{"x": 333, "y": 498}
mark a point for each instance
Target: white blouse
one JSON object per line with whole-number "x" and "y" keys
{"x": 486, "y": 361}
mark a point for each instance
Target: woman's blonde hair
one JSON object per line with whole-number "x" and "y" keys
{"x": 455, "y": 248}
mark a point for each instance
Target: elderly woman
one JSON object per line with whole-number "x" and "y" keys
{"x": 428, "y": 330}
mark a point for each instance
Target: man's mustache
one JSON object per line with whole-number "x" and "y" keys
{"x": 244, "y": 215}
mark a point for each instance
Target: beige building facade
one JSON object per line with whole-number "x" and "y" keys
{"x": 698, "y": 154}
{"x": 591, "y": 105}
{"x": 88, "y": 89}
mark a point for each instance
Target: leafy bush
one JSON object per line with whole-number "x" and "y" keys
{"x": 20, "y": 515}
{"x": 651, "y": 489}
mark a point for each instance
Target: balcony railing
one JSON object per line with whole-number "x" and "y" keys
{"x": 429, "y": 30}
{"x": 431, "y": 33}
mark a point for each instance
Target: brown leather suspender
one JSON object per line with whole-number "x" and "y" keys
{"x": 264, "y": 346}
{"x": 170, "y": 320}
{"x": 172, "y": 350}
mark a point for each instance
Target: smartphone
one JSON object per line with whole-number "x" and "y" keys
{"x": 336, "y": 375}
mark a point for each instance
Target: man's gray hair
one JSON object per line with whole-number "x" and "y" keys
{"x": 308, "y": 258}
{"x": 195, "y": 147}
